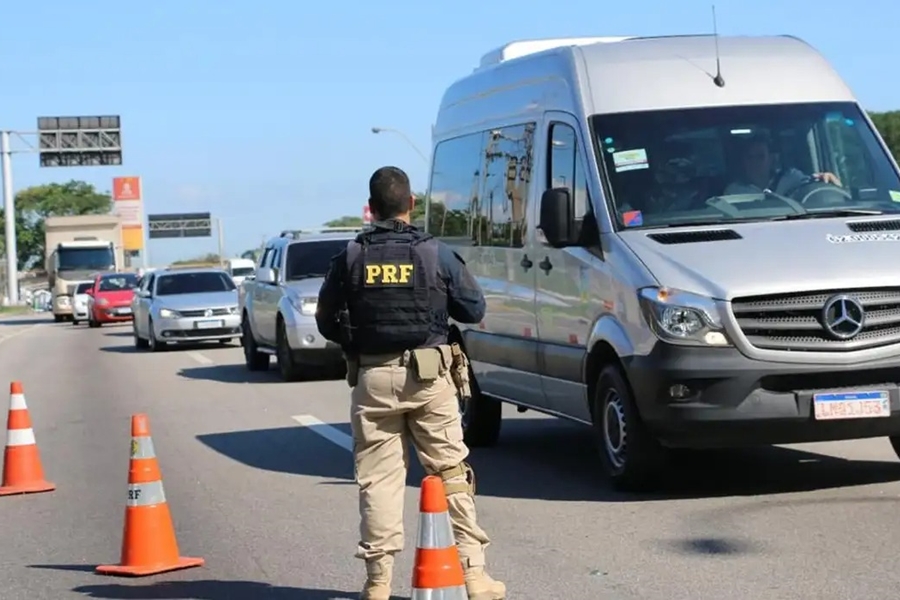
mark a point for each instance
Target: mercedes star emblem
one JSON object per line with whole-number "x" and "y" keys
{"x": 843, "y": 317}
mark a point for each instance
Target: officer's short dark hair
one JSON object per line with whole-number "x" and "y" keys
{"x": 389, "y": 192}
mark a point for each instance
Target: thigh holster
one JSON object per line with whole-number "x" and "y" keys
{"x": 463, "y": 469}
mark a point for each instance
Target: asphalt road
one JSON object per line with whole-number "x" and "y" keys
{"x": 270, "y": 503}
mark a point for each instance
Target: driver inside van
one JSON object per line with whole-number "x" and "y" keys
{"x": 758, "y": 172}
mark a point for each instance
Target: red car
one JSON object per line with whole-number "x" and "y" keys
{"x": 110, "y": 298}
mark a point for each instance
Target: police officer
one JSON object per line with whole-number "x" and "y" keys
{"x": 387, "y": 299}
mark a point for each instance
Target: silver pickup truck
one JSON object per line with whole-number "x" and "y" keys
{"x": 278, "y": 306}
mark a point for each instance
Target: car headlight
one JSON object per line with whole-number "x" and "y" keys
{"x": 63, "y": 300}
{"x": 305, "y": 305}
{"x": 683, "y": 318}
{"x": 102, "y": 301}
{"x": 167, "y": 313}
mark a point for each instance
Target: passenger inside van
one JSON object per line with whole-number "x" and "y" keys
{"x": 759, "y": 171}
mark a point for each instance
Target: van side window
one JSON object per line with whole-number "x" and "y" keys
{"x": 565, "y": 167}
{"x": 479, "y": 187}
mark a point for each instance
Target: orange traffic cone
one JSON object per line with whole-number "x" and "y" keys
{"x": 437, "y": 571}
{"x": 22, "y": 470}
{"x": 149, "y": 546}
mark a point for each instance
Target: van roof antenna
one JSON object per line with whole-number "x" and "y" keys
{"x": 718, "y": 79}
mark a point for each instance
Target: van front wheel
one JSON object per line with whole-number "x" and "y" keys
{"x": 631, "y": 457}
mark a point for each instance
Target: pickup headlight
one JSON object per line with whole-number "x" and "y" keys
{"x": 683, "y": 318}
{"x": 306, "y": 305}
{"x": 167, "y": 313}
{"x": 232, "y": 310}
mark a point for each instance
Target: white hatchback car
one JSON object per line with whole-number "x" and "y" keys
{"x": 80, "y": 300}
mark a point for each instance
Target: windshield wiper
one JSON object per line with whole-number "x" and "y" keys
{"x": 306, "y": 276}
{"x": 825, "y": 214}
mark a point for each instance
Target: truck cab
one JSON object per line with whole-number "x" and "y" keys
{"x": 72, "y": 262}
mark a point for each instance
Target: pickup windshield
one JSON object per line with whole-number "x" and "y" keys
{"x": 744, "y": 163}
{"x": 311, "y": 259}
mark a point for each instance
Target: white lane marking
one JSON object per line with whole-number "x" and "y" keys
{"x": 329, "y": 432}
{"x": 19, "y": 332}
{"x": 200, "y": 358}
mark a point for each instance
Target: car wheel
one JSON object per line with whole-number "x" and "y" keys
{"x": 287, "y": 366}
{"x": 631, "y": 456}
{"x": 482, "y": 417}
{"x": 92, "y": 323}
{"x": 253, "y": 358}
{"x": 152, "y": 343}
{"x": 74, "y": 322}
{"x": 139, "y": 342}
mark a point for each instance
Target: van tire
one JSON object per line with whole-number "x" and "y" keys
{"x": 632, "y": 458}
{"x": 482, "y": 417}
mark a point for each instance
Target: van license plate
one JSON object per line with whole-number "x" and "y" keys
{"x": 851, "y": 405}
{"x": 208, "y": 324}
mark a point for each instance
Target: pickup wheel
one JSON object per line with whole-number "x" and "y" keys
{"x": 253, "y": 358}
{"x": 631, "y": 456}
{"x": 287, "y": 366}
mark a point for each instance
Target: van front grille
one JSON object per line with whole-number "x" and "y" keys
{"x": 796, "y": 322}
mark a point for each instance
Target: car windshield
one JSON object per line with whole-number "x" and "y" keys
{"x": 744, "y": 163}
{"x": 118, "y": 283}
{"x": 84, "y": 287}
{"x": 242, "y": 271}
{"x": 311, "y": 259}
{"x": 193, "y": 283}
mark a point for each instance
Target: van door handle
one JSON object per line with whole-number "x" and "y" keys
{"x": 526, "y": 262}
{"x": 545, "y": 265}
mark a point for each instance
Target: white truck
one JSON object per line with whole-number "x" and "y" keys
{"x": 76, "y": 247}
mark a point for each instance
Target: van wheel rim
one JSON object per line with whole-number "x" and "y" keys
{"x": 614, "y": 435}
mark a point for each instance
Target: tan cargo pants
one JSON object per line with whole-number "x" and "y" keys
{"x": 389, "y": 408}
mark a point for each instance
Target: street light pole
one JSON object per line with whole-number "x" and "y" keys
{"x": 377, "y": 130}
{"x": 12, "y": 271}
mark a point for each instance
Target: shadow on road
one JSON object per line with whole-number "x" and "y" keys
{"x": 210, "y": 589}
{"x": 20, "y": 321}
{"x": 238, "y": 373}
{"x": 205, "y": 346}
{"x": 283, "y": 450}
{"x": 549, "y": 459}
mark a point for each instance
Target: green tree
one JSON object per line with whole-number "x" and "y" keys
{"x": 345, "y": 221}
{"x": 36, "y": 203}
{"x": 888, "y": 125}
{"x": 212, "y": 257}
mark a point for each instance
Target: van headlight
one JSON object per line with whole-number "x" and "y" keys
{"x": 683, "y": 318}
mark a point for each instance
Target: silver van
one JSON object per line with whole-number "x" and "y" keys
{"x": 676, "y": 254}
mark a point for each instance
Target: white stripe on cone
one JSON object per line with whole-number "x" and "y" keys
{"x": 17, "y": 402}
{"x": 20, "y": 437}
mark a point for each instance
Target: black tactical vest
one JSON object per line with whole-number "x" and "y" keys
{"x": 395, "y": 297}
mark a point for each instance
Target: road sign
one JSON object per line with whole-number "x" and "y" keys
{"x": 179, "y": 225}
{"x": 79, "y": 141}
{"x": 129, "y": 205}
{"x": 367, "y": 214}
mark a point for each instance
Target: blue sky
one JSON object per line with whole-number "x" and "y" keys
{"x": 260, "y": 112}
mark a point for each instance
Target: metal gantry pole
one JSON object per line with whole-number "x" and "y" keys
{"x": 9, "y": 208}
{"x": 221, "y": 235}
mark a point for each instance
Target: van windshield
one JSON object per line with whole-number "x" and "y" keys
{"x": 744, "y": 163}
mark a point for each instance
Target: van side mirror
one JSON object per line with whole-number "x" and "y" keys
{"x": 557, "y": 220}
{"x": 266, "y": 275}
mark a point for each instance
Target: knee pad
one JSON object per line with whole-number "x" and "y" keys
{"x": 463, "y": 469}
